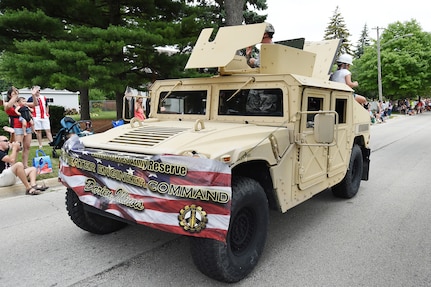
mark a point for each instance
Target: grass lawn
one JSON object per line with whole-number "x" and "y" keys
{"x": 103, "y": 115}
{"x": 54, "y": 161}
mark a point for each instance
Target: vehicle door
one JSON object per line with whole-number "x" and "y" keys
{"x": 339, "y": 152}
{"x": 313, "y": 156}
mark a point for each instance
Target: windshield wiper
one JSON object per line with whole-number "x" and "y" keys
{"x": 179, "y": 83}
{"x": 252, "y": 79}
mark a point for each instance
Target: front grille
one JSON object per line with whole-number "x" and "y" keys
{"x": 147, "y": 136}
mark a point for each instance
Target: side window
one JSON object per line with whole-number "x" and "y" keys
{"x": 340, "y": 108}
{"x": 253, "y": 102}
{"x": 183, "y": 102}
{"x": 313, "y": 104}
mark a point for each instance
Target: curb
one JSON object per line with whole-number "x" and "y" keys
{"x": 19, "y": 189}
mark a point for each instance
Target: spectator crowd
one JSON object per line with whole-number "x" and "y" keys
{"x": 380, "y": 111}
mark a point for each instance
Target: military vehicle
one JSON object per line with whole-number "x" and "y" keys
{"x": 217, "y": 153}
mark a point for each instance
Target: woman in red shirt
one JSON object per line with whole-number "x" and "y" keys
{"x": 9, "y": 107}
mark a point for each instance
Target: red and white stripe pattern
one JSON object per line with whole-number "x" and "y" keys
{"x": 39, "y": 110}
{"x": 149, "y": 205}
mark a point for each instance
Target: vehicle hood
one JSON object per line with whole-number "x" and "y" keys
{"x": 178, "y": 137}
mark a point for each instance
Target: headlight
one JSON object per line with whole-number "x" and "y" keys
{"x": 194, "y": 154}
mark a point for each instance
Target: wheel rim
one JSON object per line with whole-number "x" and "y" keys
{"x": 242, "y": 232}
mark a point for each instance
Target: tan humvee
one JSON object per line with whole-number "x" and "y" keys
{"x": 217, "y": 153}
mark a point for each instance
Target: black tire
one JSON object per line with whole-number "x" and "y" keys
{"x": 349, "y": 186}
{"x": 89, "y": 221}
{"x": 246, "y": 236}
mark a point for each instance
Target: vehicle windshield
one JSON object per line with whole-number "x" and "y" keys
{"x": 183, "y": 102}
{"x": 246, "y": 102}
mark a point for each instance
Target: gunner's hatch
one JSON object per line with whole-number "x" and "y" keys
{"x": 221, "y": 51}
{"x": 314, "y": 60}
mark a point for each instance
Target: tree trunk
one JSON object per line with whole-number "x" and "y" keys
{"x": 119, "y": 103}
{"x": 84, "y": 102}
{"x": 234, "y": 12}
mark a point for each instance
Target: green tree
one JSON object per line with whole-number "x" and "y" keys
{"x": 364, "y": 41}
{"x": 104, "y": 44}
{"x": 337, "y": 29}
{"x": 405, "y": 63}
{"x": 80, "y": 45}
{"x": 4, "y": 85}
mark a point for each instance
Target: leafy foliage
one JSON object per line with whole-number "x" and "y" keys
{"x": 4, "y": 121}
{"x": 81, "y": 45}
{"x": 103, "y": 44}
{"x": 405, "y": 60}
{"x": 337, "y": 29}
{"x": 364, "y": 41}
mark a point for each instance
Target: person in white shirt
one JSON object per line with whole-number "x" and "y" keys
{"x": 343, "y": 75}
{"x": 40, "y": 115}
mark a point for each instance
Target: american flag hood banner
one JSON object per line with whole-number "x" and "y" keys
{"x": 184, "y": 195}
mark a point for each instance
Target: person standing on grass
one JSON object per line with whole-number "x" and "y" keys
{"x": 24, "y": 113}
{"x": 10, "y": 108}
{"x": 40, "y": 115}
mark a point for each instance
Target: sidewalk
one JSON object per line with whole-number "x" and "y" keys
{"x": 19, "y": 189}
{"x": 391, "y": 119}
{"x": 45, "y": 142}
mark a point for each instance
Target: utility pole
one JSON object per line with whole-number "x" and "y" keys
{"x": 379, "y": 65}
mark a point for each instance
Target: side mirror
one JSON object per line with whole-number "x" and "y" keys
{"x": 324, "y": 126}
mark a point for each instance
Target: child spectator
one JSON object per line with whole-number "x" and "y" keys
{"x": 9, "y": 108}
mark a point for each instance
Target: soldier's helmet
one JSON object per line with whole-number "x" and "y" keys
{"x": 269, "y": 29}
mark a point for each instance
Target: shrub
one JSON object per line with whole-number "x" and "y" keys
{"x": 56, "y": 113}
{"x": 4, "y": 121}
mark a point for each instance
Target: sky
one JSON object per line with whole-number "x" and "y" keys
{"x": 309, "y": 18}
